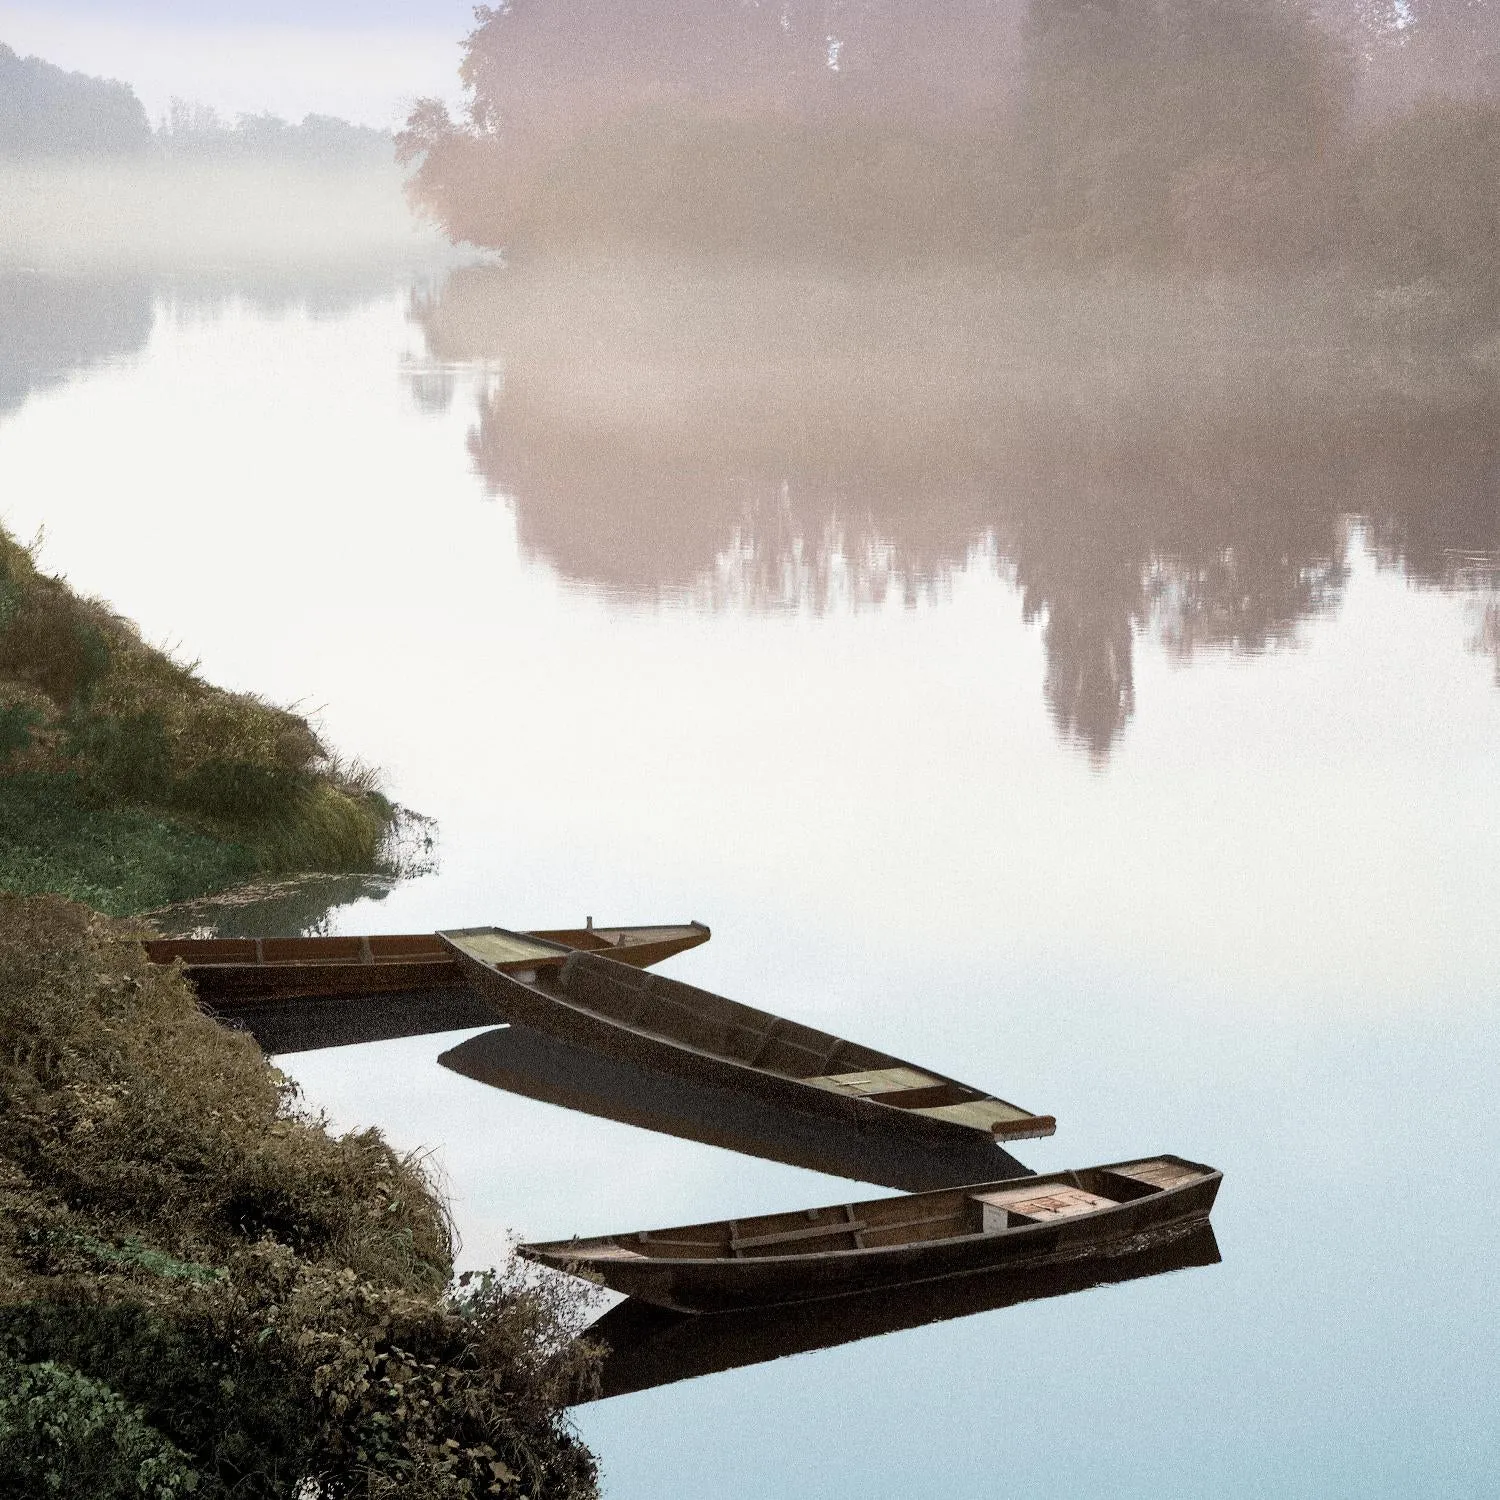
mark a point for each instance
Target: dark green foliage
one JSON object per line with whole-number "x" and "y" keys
{"x": 56, "y": 836}
{"x": 847, "y": 190}
{"x": 46, "y": 111}
{"x": 63, "y": 1434}
{"x": 1181, "y": 130}
{"x": 17, "y": 720}
{"x": 196, "y": 132}
{"x": 209, "y": 1279}
{"x": 1217, "y": 137}
{"x": 128, "y": 755}
{"x": 239, "y": 791}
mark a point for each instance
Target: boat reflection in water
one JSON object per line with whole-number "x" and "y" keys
{"x": 542, "y": 1067}
{"x": 648, "y": 1346}
{"x": 301, "y": 994}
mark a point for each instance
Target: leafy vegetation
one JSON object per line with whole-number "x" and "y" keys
{"x": 204, "y": 1293}
{"x": 1219, "y": 137}
{"x": 129, "y": 782}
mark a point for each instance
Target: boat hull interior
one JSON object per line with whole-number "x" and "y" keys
{"x": 845, "y": 1248}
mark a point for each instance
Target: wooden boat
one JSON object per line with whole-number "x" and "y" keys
{"x": 857, "y": 1247}
{"x": 228, "y": 970}
{"x": 531, "y": 1063}
{"x": 647, "y": 1346}
{"x": 674, "y": 1028}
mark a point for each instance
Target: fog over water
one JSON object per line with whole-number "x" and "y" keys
{"x": 1031, "y": 582}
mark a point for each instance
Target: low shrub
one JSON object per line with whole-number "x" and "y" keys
{"x": 64, "y": 1435}
{"x": 327, "y": 829}
{"x": 195, "y": 1273}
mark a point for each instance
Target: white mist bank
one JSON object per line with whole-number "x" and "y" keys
{"x": 150, "y": 214}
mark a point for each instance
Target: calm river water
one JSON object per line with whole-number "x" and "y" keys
{"x": 1141, "y": 768}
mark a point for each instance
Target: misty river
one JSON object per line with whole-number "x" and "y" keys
{"x": 1104, "y": 710}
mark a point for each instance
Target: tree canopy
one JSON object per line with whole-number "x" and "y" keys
{"x": 47, "y": 111}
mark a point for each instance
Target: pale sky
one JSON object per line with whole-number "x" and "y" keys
{"x": 364, "y": 62}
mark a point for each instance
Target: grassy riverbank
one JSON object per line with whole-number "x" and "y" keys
{"x": 128, "y": 782}
{"x": 203, "y": 1292}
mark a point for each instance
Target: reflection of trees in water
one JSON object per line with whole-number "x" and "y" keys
{"x": 1133, "y": 478}
{"x": 644, "y": 520}
{"x": 1486, "y": 637}
{"x": 322, "y": 293}
{"x": 1163, "y": 554}
{"x": 1197, "y": 546}
{"x": 1087, "y": 592}
{"x": 53, "y": 326}
{"x": 788, "y": 556}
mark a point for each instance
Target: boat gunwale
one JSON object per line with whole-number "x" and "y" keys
{"x": 553, "y": 1252}
{"x": 893, "y": 1111}
{"x": 437, "y": 953}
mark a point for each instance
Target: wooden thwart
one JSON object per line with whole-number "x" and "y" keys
{"x": 851, "y": 1225}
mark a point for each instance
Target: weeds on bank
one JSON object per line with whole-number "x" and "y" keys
{"x": 203, "y": 1292}
{"x": 129, "y": 782}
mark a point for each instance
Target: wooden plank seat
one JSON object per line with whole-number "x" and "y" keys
{"x": 1005, "y": 1208}
{"x": 1159, "y": 1173}
{"x": 510, "y": 948}
{"x": 874, "y": 1083}
{"x": 983, "y": 1114}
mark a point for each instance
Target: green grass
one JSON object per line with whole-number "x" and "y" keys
{"x": 55, "y": 837}
{"x": 130, "y": 783}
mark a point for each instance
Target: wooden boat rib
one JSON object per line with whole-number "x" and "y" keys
{"x": 858, "y": 1247}
{"x": 227, "y": 970}
{"x": 675, "y": 1028}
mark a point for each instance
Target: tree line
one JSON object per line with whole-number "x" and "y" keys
{"x": 47, "y": 113}
{"x": 1210, "y": 134}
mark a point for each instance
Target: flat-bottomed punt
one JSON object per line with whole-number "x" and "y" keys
{"x": 520, "y": 1060}
{"x": 670, "y": 1027}
{"x": 807, "y": 1255}
{"x": 648, "y": 1346}
{"x": 226, "y": 970}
